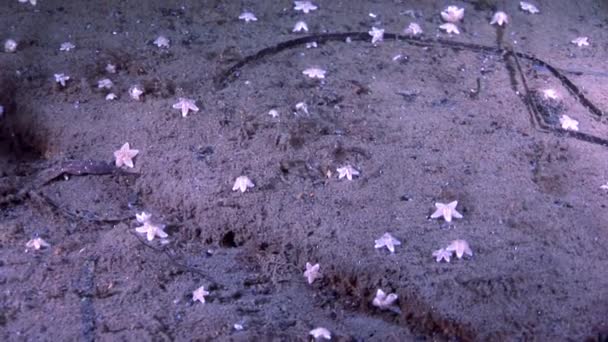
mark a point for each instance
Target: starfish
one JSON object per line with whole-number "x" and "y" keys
{"x": 312, "y": 272}
{"x": 550, "y": 94}
{"x": 136, "y": 92}
{"x": 37, "y": 243}
{"x": 151, "y": 230}
{"x": 460, "y": 247}
{"x": 242, "y": 183}
{"x": 143, "y": 217}
{"x": 347, "y": 171}
{"x": 568, "y": 123}
{"x": 442, "y": 254}
{"x": 449, "y": 28}
{"x": 528, "y": 7}
{"x": 447, "y": 211}
{"x": 186, "y": 105}
{"x": 199, "y": 294}
{"x": 604, "y": 186}
{"x": 61, "y": 79}
{"x": 377, "y": 34}
{"x": 581, "y": 41}
{"x": 274, "y": 113}
{"x": 320, "y": 332}
{"x": 500, "y": 18}
{"x": 314, "y": 73}
{"x": 125, "y": 155}
{"x": 105, "y": 83}
{"x": 10, "y": 46}
{"x": 32, "y": 2}
{"x": 388, "y": 241}
{"x": 67, "y": 46}
{"x": 413, "y": 29}
{"x": 304, "y": 6}
{"x": 384, "y": 301}
{"x": 300, "y": 26}
{"x": 162, "y": 42}
{"x": 248, "y": 16}
{"x": 452, "y": 14}
{"x": 111, "y": 68}
{"x": 111, "y": 96}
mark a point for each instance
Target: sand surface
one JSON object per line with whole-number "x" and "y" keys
{"x": 422, "y": 120}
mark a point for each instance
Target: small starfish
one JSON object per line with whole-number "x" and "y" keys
{"x": 528, "y": 7}
{"x": 314, "y": 73}
{"x": 304, "y": 6}
{"x": 581, "y": 41}
{"x": 242, "y": 183}
{"x": 111, "y": 68}
{"x": 105, "y": 83}
{"x": 300, "y": 26}
{"x": 199, "y": 294}
{"x": 388, "y": 241}
{"x": 125, "y": 155}
{"x": 568, "y": 123}
{"x": 500, "y": 18}
{"x": 248, "y": 16}
{"x": 447, "y": 211}
{"x": 377, "y": 34}
{"x": 37, "y": 243}
{"x": 320, "y": 332}
{"x": 413, "y": 29}
{"x": 10, "y": 46}
{"x": 452, "y": 14}
{"x": 67, "y": 46}
{"x": 136, "y": 92}
{"x": 347, "y": 171}
{"x": 442, "y": 254}
{"x": 143, "y": 217}
{"x": 61, "y": 79}
{"x": 111, "y": 96}
{"x": 151, "y": 230}
{"x": 274, "y": 113}
{"x": 449, "y": 28}
{"x": 383, "y": 300}
{"x": 550, "y": 94}
{"x": 460, "y": 247}
{"x": 162, "y": 42}
{"x": 32, "y": 2}
{"x": 186, "y": 105}
{"x": 604, "y": 186}
{"x": 312, "y": 272}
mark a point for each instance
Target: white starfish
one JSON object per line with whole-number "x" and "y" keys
{"x": 460, "y": 247}
{"x": 449, "y": 28}
{"x": 347, "y": 171}
{"x": 550, "y": 94}
{"x": 143, "y": 217}
{"x": 604, "y": 186}
{"x": 377, "y": 34}
{"x": 442, "y": 254}
{"x": 452, "y": 14}
{"x": 568, "y": 123}
{"x": 312, "y": 272}
{"x": 111, "y": 96}
{"x": 125, "y": 155}
{"x": 186, "y": 105}
{"x": 242, "y": 183}
{"x": 413, "y": 29}
{"x": 383, "y": 300}
{"x": 500, "y": 18}
{"x": 136, "y": 92}
{"x": 111, "y": 68}
{"x": 67, "y": 46}
{"x": 300, "y": 26}
{"x": 320, "y": 332}
{"x": 10, "y": 46}
{"x": 61, "y": 79}
{"x": 388, "y": 241}
{"x": 528, "y": 7}
{"x": 105, "y": 83}
{"x": 152, "y": 230}
{"x": 314, "y": 73}
{"x": 274, "y": 113}
{"x": 248, "y": 16}
{"x": 304, "y": 6}
{"x": 37, "y": 243}
{"x": 199, "y": 294}
{"x": 447, "y": 211}
{"x": 581, "y": 41}
{"x": 162, "y": 42}
{"x": 32, "y": 2}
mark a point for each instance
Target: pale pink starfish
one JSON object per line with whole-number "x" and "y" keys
{"x": 320, "y": 333}
{"x": 199, "y": 294}
{"x": 460, "y": 247}
{"x": 452, "y": 14}
{"x": 304, "y": 6}
{"x": 125, "y": 155}
{"x": 383, "y": 300}
{"x": 186, "y": 105}
{"x": 388, "y": 241}
{"x": 242, "y": 183}
{"x": 442, "y": 254}
{"x": 312, "y": 272}
{"x": 347, "y": 171}
{"x": 150, "y": 229}
{"x": 37, "y": 243}
{"x": 447, "y": 211}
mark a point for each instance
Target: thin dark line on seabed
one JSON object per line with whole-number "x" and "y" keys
{"x": 224, "y": 78}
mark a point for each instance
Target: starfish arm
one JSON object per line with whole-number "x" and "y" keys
{"x": 150, "y": 234}
{"x": 141, "y": 229}
{"x": 437, "y": 213}
{"x": 447, "y": 215}
{"x": 456, "y": 214}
